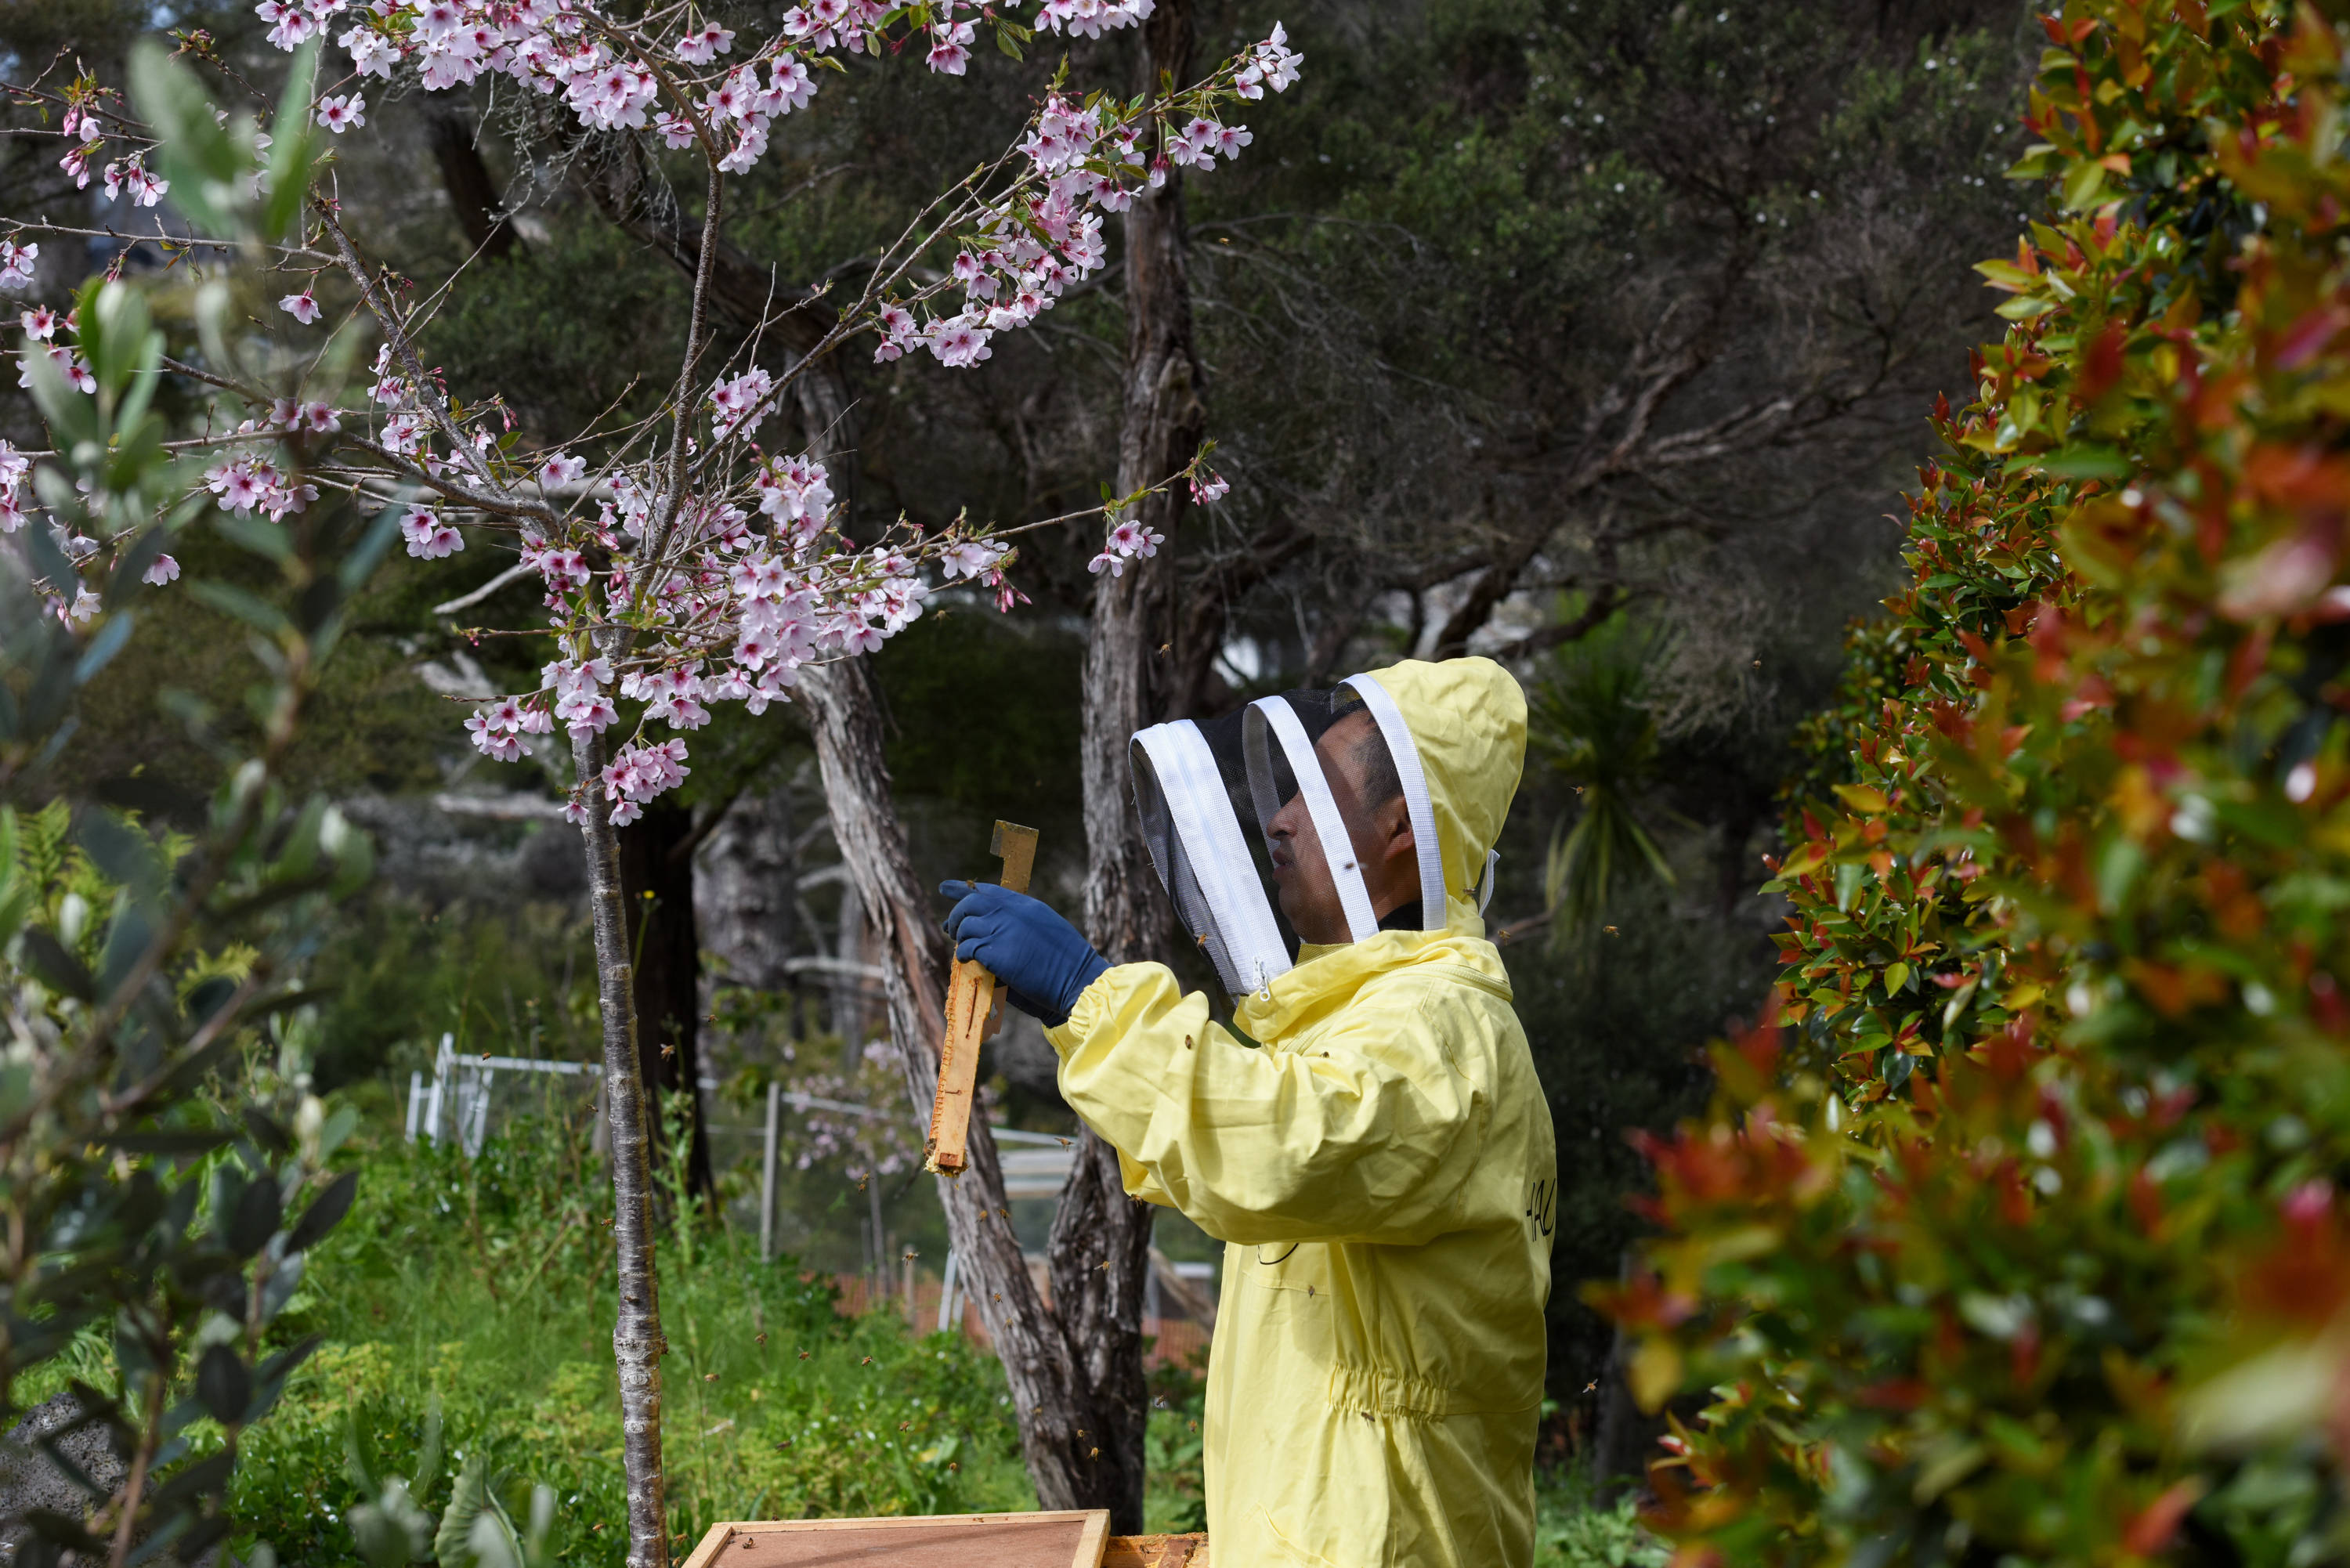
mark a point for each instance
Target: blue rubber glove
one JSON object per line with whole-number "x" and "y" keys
{"x": 1039, "y": 957}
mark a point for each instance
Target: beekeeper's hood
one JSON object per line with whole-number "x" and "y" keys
{"x": 1455, "y": 733}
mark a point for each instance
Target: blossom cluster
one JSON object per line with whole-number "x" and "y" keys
{"x": 17, "y": 262}
{"x": 78, "y": 548}
{"x": 1083, "y": 161}
{"x": 1040, "y": 239}
{"x": 733, "y": 583}
{"x": 831, "y": 1129}
{"x": 736, "y": 602}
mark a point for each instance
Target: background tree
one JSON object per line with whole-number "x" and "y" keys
{"x": 2017, "y": 1233}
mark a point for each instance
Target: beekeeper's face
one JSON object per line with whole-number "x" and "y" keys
{"x": 1363, "y": 784}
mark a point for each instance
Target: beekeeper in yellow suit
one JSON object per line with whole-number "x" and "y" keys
{"x": 1368, "y": 1140}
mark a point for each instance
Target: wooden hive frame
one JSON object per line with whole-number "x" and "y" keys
{"x": 974, "y": 1011}
{"x": 961, "y": 1539}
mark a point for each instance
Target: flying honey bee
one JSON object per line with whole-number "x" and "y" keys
{"x": 1093, "y": 1453}
{"x": 1065, "y": 1143}
{"x": 710, "y": 1377}
{"x": 763, "y": 1339}
{"x": 804, "y": 1355}
{"x": 867, "y": 1362}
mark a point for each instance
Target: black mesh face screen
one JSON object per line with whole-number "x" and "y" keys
{"x": 1192, "y": 909}
{"x": 1315, "y": 711}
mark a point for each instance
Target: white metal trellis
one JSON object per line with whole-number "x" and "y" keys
{"x": 456, "y": 1102}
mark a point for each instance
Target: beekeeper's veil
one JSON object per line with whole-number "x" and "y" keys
{"x": 1195, "y": 785}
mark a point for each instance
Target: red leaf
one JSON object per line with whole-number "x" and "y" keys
{"x": 2150, "y": 1533}
{"x": 2103, "y": 365}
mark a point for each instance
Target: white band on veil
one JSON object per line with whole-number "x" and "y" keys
{"x": 1180, "y": 770}
{"x": 1330, "y": 827}
{"x": 1389, "y": 719}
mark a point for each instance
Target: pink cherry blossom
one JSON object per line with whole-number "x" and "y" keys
{"x": 17, "y": 264}
{"x": 699, "y": 49}
{"x": 969, "y": 557}
{"x": 300, "y": 307}
{"x": 958, "y": 343}
{"x": 41, "y": 322}
{"x": 164, "y": 570}
{"x": 429, "y": 538}
{"x": 340, "y": 114}
{"x": 76, "y": 370}
{"x": 1213, "y": 488}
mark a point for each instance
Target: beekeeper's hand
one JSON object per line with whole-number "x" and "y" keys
{"x": 1037, "y": 955}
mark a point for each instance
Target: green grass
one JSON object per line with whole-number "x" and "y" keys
{"x": 1572, "y": 1530}
{"x": 483, "y": 1287}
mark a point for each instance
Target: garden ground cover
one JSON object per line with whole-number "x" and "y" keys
{"x": 479, "y": 1288}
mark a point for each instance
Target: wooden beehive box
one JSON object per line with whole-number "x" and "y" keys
{"x": 1072, "y": 1540}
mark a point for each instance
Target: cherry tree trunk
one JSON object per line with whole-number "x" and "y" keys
{"x": 1101, "y": 1238}
{"x": 664, "y": 948}
{"x": 637, "y": 1342}
{"x": 1065, "y": 1435}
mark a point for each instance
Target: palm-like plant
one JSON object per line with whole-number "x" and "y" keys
{"x": 1589, "y": 721}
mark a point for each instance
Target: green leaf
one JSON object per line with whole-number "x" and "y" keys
{"x": 2082, "y": 183}
{"x": 72, "y": 415}
{"x": 2085, "y": 462}
{"x": 292, "y": 148}
{"x": 324, "y": 1214}
{"x": 56, "y": 968}
{"x": 255, "y": 1218}
{"x": 473, "y": 1520}
{"x": 358, "y": 1450}
{"x": 255, "y": 533}
{"x": 361, "y": 563}
{"x": 247, "y": 606}
{"x": 104, "y": 646}
{"x": 224, "y": 1384}
{"x": 194, "y": 151}
{"x": 114, "y": 336}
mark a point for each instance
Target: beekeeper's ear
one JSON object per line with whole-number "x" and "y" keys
{"x": 1392, "y": 826}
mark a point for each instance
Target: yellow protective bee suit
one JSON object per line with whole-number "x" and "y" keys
{"x": 1383, "y": 1175}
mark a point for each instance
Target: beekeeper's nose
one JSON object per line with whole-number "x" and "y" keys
{"x": 1290, "y": 821}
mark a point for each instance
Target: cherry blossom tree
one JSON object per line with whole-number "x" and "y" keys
{"x": 682, "y": 562}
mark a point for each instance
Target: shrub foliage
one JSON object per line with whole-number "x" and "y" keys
{"x": 2015, "y": 1236}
